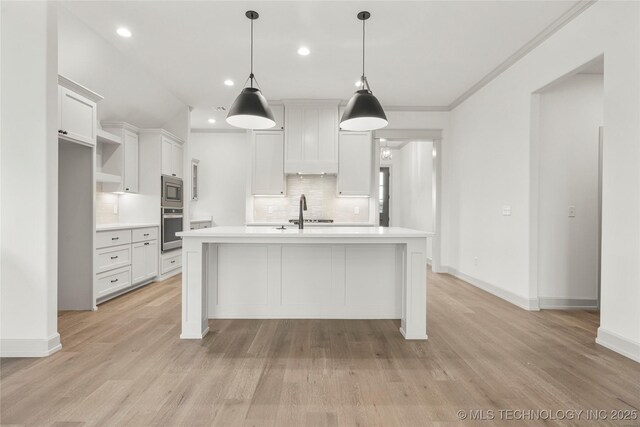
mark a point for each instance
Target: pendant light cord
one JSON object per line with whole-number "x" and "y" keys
{"x": 363, "y": 77}
{"x": 251, "y": 75}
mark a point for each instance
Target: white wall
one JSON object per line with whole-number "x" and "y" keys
{"x": 412, "y": 188}
{"x": 131, "y": 94}
{"x": 225, "y": 159}
{"x": 570, "y": 115}
{"x": 486, "y": 164}
{"x": 29, "y": 170}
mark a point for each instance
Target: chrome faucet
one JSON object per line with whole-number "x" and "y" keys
{"x": 303, "y": 206}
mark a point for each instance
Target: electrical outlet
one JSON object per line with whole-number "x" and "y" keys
{"x": 356, "y": 210}
{"x": 572, "y": 211}
{"x": 506, "y": 210}
{"x": 475, "y": 260}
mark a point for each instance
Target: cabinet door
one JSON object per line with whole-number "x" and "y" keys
{"x": 355, "y": 164}
{"x": 151, "y": 255}
{"x": 77, "y": 117}
{"x": 167, "y": 148}
{"x": 177, "y": 154}
{"x": 268, "y": 163}
{"x": 138, "y": 262}
{"x": 130, "y": 179}
{"x": 311, "y": 139}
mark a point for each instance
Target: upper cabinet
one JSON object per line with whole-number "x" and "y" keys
{"x": 122, "y": 159}
{"x": 172, "y": 156}
{"x": 278, "y": 115}
{"x": 354, "y": 176}
{"x": 268, "y": 163}
{"x": 77, "y": 118}
{"x": 311, "y": 137}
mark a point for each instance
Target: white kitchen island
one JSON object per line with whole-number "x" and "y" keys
{"x": 332, "y": 273}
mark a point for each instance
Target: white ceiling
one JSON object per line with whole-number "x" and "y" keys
{"x": 418, "y": 53}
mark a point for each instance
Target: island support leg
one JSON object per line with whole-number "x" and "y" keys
{"x": 195, "y": 324}
{"x": 414, "y": 321}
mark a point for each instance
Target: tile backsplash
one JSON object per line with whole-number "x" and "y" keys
{"x": 105, "y": 205}
{"x": 322, "y": 202}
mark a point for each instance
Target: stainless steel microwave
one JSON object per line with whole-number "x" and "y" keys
{"x": 172, "y": 192}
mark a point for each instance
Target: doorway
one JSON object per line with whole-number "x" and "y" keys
{"x": 384, "y": 196}
{"x": 567, "y": 197}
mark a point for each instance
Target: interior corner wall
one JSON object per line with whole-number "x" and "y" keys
{"x": 224, "y": 167}
{"x": 570, "y": 115}
{"x": 415, "y": 176}
{"x": 486, "y": 165}
{"x": 29, "y": 86}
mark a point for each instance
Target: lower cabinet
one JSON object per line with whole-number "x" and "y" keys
{"x": 144, "y": 261}
{"x": 113, "y": 281}
{"x": 125, "y": 258}
{"x": 171, "y": 261}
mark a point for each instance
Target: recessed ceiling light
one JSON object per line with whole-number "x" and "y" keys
{"x": 229, "y": 82}
{"x": 211, "y": 120}
{"x": 124, "y": 32}
{"x": 304, "y": 51}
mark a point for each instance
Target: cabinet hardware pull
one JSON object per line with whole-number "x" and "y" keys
{"x": 145, "y": 234}
{"x": 173, "y": 261}
{"x": 114, "y": 280}
{"x": 173, "y": 174}
{"x": 126, "y": 189}
{"x": 114, "y": 257}
{"x": 146, "y": 244}
{"x": 114, "y": 238}
{"x": 60, "y": 131}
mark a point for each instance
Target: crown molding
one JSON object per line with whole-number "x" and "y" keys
{"x": 436, "y": 108}
{"x": 119, "y": 125}
{"x": 543, "y": 35}
{"x": 162, "y": 132}
{"x": 79, "y": 89}
{"x": 206, "y": 130}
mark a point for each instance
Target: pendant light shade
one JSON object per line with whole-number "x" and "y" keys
{"x": 363, "y": 111}
{"x": 251, "y": 110}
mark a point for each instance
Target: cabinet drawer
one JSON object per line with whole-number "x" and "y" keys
{"x": 111, "y": 258}
{"x": 142, "y": 234}
{"x": 171, "y": 263}
{"x": 105, "y": 239}
{"x": 112, "y": 281}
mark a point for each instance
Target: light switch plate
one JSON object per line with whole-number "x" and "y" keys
{"x": 356, "y": 210}
{"x": 506, "y": 211}
{"x": 115, "y": 209}
{"x": 572, "y": 211}
{"x": 270, "y": 209}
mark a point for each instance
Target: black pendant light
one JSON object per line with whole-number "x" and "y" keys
{"x": 250, "y": 110}
{"x": 363, "y": 111}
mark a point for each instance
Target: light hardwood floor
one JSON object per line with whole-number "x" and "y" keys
{"x": 125, "y": 365}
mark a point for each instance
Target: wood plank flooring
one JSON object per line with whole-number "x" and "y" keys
{"x": 125, "y": 365}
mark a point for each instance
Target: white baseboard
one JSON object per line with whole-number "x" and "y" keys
{"x": 619, "y": 344}
{"x": 567, "y": 303}
{"x": 530, "y": 304}
{"x": 11, "y": 347}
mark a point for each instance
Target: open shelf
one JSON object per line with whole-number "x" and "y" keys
{"x": 108, "y": 138}
{"x": 107, "y": 178}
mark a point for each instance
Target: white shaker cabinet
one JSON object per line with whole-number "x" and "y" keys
{"x": 172, "y": 157}
{"x": 122, "y": 160}
{"x": 354, "y": 175}
{"x": 144, "y": 261}
{"x": 268, "y": 163}
{"x": 311, "y": 137}
{"x": 77, "y": 112}
{"x": 130, "y": 178}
